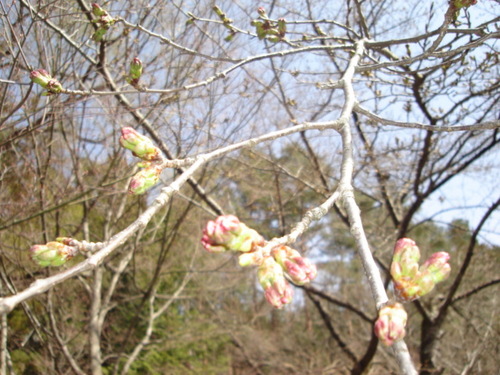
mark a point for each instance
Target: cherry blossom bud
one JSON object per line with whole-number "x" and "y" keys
{"x": 437, "y": 266}
{"x": 141, "y": 146}
{"x": 410, "y": 281}
{"x": 227, "y": 233}
{"x": 54, "y": 87}
{"x": 52, "y": 254}
{"x": 136, "y": 68}
{"x": 44, "y": 79}
{"x": 300, "y": 270}
{"x": 98, "y": 11}
{"x": 434, "y": 270}
{"x": 390, "y": 324}
{"x": 405, "y": 258}
{"x": 277, "y": 290}
{"x": 262, "y": 12}
{"x": 253, "y": 258}
{"x": 144, "y": 180}
{"x": 40, "y": 77}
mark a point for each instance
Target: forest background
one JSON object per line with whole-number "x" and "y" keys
{"x": 391, "y": 107}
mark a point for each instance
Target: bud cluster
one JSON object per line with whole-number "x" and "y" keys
{"x": 104, "y": 22}
{"x": 269, "y": 29}
{"x": 390, "y": 324}
{"x": 45, "y": 80}
{"x": 143, "y": 148}
{"x": 411, "y": 281}
{"x": 227, "y": 233}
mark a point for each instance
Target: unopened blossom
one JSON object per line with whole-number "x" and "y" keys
{"x": 227, "y": 233}
{"x": 277, "y": 290}
{"x": 434, "y": 270}
{"x": 405, "y": 259}
{"x": 390, "y": 324}
{"x": 97, "y": 10}
{"x": 411, "y": 281}
{"x": 404, "y": 269}
{"x": 45, "y": 80}
{"x": 140, "y": 145}
{"x": 135, "y": 71}
{"x": 299, "y": 269}
{"x": 40, "y": 77}
{"x": 52, "y": 254}
{"x": 144, "y": 180}
{"x": 437, "y": 266}
{"x": 253, "y": 258}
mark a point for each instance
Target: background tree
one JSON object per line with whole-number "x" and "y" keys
{"x": 292, "y": 117}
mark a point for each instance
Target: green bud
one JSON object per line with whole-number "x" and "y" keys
{"x": 99, "y": 34}
{"x": 136, "y": 68}
{"x": 141, "y": 146}
{"x": 40, "y": 77}
{"x": 98, "y": 11}
{"x": 282, "y": 27}
{"x": 144, "y": 180}
{"x": 52, "y": 254}
{"x": 218, "y": 11}
{"x": 277, "y": 290}
{"x": 254, "y": 258}
{"x": 230, "y": 37}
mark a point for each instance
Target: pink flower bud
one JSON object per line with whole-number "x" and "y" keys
{"x": 40, "y": 77}
{"x": 277, "y": 290}
{"x": 391, "y": 322}
{"x": 52, "y": 254}
{"x": 410, "y": 281}
{"x": 43, "y": 78}
{"x": 404, "y": 269}
{"x": 227, "y": 233}
{"x": 144, "y": 180}
{"x": 300, "y": 270}
{"x": 437, "y": 266}
{"x": 405, "y": 258}
{"x": 135, "y": 71}
{"x": 141, "y": 146}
